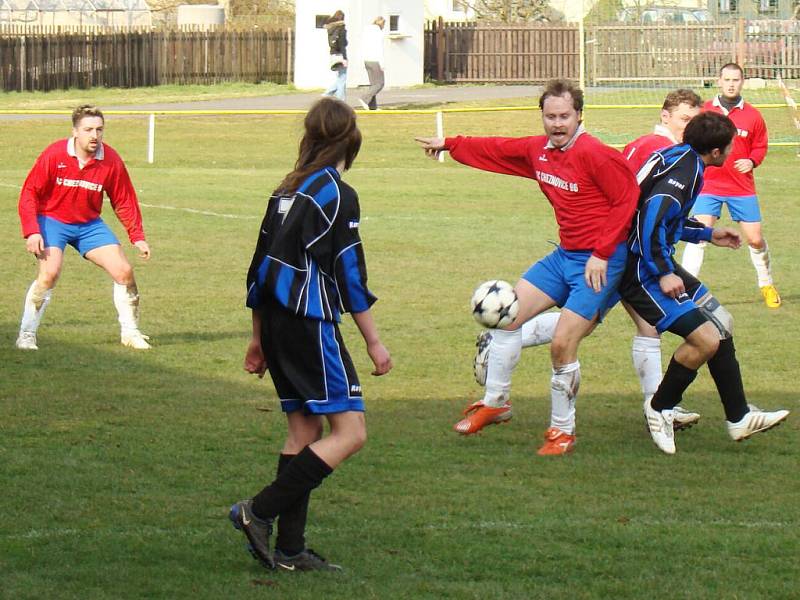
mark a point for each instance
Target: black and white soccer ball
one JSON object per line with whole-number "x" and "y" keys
{"x": 495, "y": 304}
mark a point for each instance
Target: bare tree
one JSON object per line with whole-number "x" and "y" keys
{"x": 510, "y": 11}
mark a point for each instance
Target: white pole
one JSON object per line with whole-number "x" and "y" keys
{"x": 440, "y": 131}
{"x": 151, "y": 140}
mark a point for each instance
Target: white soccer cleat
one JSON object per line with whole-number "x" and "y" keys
{"x": 683, "y": 419}
{"x": 26, "y": 341}
{"x": 135, "y": 339}
{"x": 481, "y": 362}
{"x": 755, "y": 421}
{"x": 660, "y": 425}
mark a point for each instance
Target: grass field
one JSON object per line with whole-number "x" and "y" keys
{"x": 118, "y": 467}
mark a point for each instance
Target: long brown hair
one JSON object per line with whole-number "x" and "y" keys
{"x": 331, "y": 135}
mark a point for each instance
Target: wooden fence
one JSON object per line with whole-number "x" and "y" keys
{"x": 468, "y": 52}
{"x": 143, "y": 58}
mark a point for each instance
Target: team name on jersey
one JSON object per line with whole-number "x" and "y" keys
{"x": 87, "y": 185}
{"x": 550, "y": 179}
{"x": 742, "y": 132}
{"x": 677, "y": 184}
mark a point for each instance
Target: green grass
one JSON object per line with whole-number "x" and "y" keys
{"x": 118, "y": 467}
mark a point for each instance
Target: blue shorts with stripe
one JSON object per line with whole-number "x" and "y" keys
{"x": 308, "y": 362}
{"x": 560, "y": 275}
{"x": 742, "y": 208}
{"x": 84, "y": 237}
{"x": 642, "y": 291}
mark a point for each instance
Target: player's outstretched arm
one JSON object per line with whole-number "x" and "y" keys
{"x": 254, "y": 361}
{"x": 377, "y": 351}
{"x": 726, "y": 237}
{"x": 432, "y": 146}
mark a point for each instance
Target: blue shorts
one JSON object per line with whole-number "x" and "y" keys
{"x": 84, "y": 237}
{"x": 560, "y": 275}
{"x": 742, "y": 208}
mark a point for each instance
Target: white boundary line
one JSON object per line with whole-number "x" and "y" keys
{"x": 196, "y": 211}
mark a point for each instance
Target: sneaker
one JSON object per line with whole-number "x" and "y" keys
{"x": 556, "y": 443}
{"x": 771, "y": 296}
{"x": 135, "y": 339}
{"x": 258, "y": 531}
{"x": 754, "y": 421}
{"x": 307, "y": 560}
{"x": 477, "y": 416}
{"x": 661, "y": 428}
{"x": 26, "y": 341}
{"x": 363, "y": 104}
{"x": 481, "y": 362}
{"x": 683, "y": 419}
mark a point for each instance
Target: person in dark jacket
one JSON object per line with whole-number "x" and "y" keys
{"x": 337, "y": 45}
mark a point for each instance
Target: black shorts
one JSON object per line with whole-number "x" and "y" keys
{"x": 308, "y": 363}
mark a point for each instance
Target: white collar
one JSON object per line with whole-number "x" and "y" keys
{"x": 664, "y": 131}
{"x": 578, "y": 132}
{"x": 718, "y": 104}
{"x": 99, "y": 154}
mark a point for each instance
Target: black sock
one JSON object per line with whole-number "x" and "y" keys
{"x": 675, "y": 381}
{"x": 303, "y": 473}
{"x": 725, "y": 371}
{"x": 292, "y": 522}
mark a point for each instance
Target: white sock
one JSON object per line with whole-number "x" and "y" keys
{"x": 126, "y": 300}
{"x": 36, "y": 300}
{"x": 540, "y": 329}
{"x": 693, "y": 257}
{"x": 646, "y": 352}
{"x": 760, "y": 260}
{"x": 506, "y": 350}
{"x": 563, "y": 392}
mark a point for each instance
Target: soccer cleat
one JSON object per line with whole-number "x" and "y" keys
{"x": 363, "y": 104}
{"x": 556, "y": 443}
{"x": 26, "y": 341}
{"x": 683, "y": 419}
{"x": 481, "y": 362}
{"x": 133, "y": 338}
{"x": 771, "y": 296}
{"x": 477, "y": 416}
{"x": 660, "y": 425}
{"x": 258, "y": 531}
{"x": 307, "y": 560}
{"x": 755, "y": 421}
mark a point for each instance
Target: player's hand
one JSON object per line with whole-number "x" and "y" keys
{"x": 34, "y": 244}
{"x": 595, "y": 273}
{"x": 672, "y": 285}
{"x": 432, "y": 146}
{"x": 743, "y": 165}
{"x": 726, "y": 237}
{"x": 380, "y": 358}
{"x": 254, "y": 361}
{"x": 144, "y": 249}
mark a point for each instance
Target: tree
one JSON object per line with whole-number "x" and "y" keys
{"x": 510, "y": 11}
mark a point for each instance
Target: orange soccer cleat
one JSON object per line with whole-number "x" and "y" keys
{"x": 556, "y": 443}
{"x": 477, "y": 416}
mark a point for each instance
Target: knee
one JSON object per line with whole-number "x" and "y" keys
{"x": 561, "y": 349}
{"x": 708, "y": 344}
{"x": 123, "y": 274}
{"x": 48, "y": 279}
{"x": 756, "y": 242}
{"x": 358, "y": 439}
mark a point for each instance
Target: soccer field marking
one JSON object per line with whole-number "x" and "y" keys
{"x": 195, "y": 211}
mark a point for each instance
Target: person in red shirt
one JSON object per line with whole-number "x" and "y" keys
{"x": 593, "y": 193}
{"x": 60, "y": 204}
{"x": 733, "y": 184}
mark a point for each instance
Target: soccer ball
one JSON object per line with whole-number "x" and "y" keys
{"x": 495, "y": 304}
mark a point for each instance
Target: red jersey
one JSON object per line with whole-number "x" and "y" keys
{"x": 750, "y": 142}
{"x": 639, "y": 150}
{"x": 591, "y": 188}
{"x": 57, "y": 187}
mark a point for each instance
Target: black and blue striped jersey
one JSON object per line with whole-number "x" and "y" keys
{"x": 309, "y": 255}
{"x": 669, "y": 183}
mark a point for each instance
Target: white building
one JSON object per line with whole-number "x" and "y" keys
{"x": 404, "y": 44}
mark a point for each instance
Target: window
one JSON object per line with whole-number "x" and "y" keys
{"x": 321, "y": 20}
{"x": 394, "y": 23}
{"x": 768, "y": 6}
{"x": 458, "y": 6}
{"x": 728, "y": 6}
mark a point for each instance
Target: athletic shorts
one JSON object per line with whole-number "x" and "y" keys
{"x": 84, "y": 237}
{"x": 641, "y": 290}
{"x": 742, "y": 208}
{"x": 560, "y": 275}
{"x": 308, "y": 362}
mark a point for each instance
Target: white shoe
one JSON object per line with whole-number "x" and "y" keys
{"x": 480, "y": 363}
{"x": 754, "y": 421}
{"x": 135, "y": 339}
{"x": 660, "y": 425}
{"x": 684, "y": 419}
{"x": 363, "y": 104}
{"x": 27, "y": 341}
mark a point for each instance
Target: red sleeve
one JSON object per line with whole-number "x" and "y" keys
{"x": 618, "y": 183}
{"x": 758, "y": 148}
{"x": 124, "y": 202}
{"x": 33, "y": 188}
{"x": 508, "y": 156}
